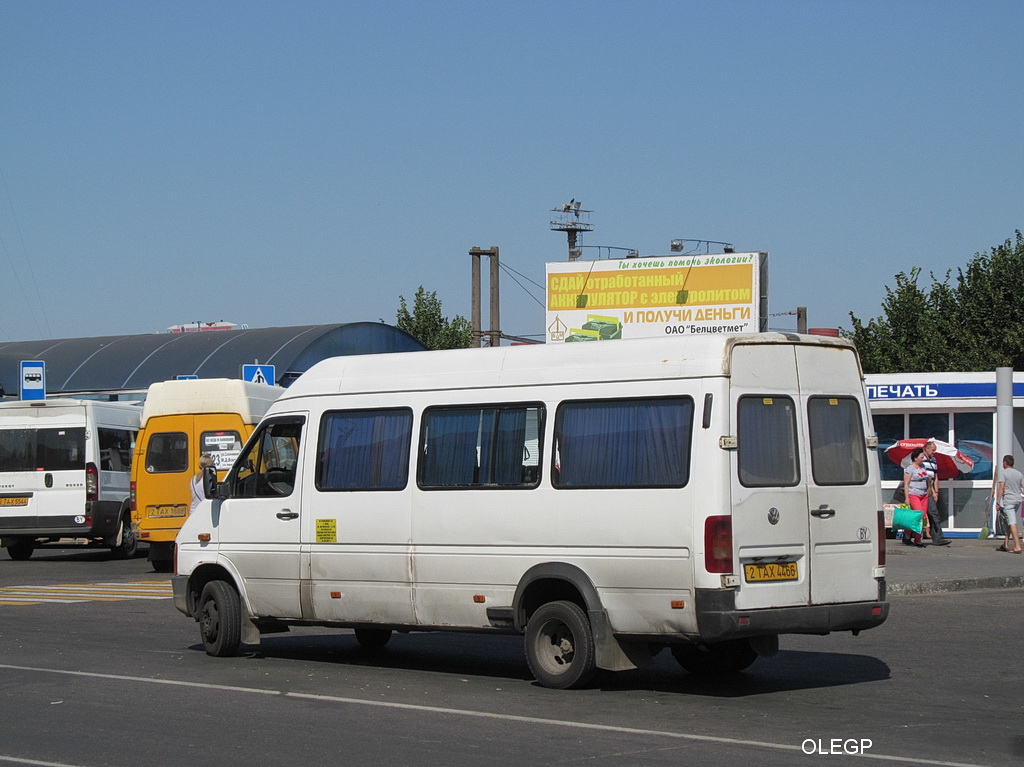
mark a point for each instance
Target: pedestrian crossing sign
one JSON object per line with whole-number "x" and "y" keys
{"x": 263, "y": 374}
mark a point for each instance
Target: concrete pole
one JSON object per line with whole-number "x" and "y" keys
{"x": 1004, "y": 416}
{"x": 495, "y": 303}
{"x": 475, "y": 309}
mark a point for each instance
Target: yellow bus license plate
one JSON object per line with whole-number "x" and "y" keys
{"x": 14, "y": 501}
{"x": 163, "y": 512}
{"x": 771, "y": 571}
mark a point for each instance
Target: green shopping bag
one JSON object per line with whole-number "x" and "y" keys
{"x": 906, "y": 518}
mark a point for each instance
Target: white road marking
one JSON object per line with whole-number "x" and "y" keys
{"x": 479, "y": 715}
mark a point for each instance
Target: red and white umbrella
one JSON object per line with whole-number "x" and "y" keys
{"x": 949, "y": 460}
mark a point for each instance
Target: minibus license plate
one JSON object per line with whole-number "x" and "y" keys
{"x": 14, "y": 501}
{"x": 771, "y": 571}
{"x": 167, "y": 511}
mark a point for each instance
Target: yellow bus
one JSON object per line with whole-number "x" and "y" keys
{"x": 181, "y": 420}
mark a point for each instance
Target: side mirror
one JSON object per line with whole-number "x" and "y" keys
{"x": 210, "y": 482}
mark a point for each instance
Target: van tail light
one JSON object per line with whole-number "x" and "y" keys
{"x": 718, "y": 544}
{"x": 881, "y": 538}
{"x": 92, "y": 482}
{"x": 132, "y": 497}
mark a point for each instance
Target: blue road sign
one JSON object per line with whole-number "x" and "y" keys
{"x": 33, "y": 379}
{"x": 263, "y": 374}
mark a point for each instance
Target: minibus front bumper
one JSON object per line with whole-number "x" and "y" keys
{"x": 718, "y": 619}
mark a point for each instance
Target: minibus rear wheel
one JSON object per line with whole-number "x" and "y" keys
{"x": 373, "y": 639}
{"x": 21, "y": 549}
{"x": 220, "y": 619}
{"x": 129, "y": 544}
{"x": 716, "y": 658}
{"x": 560, "y": 646}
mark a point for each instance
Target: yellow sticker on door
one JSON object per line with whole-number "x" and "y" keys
{"x": 327, "y": 531}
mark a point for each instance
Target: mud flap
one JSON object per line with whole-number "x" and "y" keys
{"x": 611, "y": 654}
{"x": 250, "y": 632}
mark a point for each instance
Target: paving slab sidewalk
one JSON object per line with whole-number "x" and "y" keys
{"x": 964, "y": 565}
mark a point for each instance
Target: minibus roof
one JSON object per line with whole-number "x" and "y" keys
{"x": 210, "y": 395}
{"x": 618, "y": 360}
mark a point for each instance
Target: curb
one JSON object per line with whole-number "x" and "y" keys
{"x": 960, "y": 584}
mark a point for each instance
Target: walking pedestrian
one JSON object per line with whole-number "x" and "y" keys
{"x": 934, "y": 522}
{"x": 1008, "y": 500}
{"x": 915, "y": 488}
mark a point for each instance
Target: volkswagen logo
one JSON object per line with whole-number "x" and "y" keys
{"x": 773, "y": 515}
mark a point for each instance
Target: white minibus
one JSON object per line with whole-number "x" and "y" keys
{"x": 605, "y": 500}
{"x": 65, "y": 467}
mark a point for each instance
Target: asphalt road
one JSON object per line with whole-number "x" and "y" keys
{"x": 121, "y": 679}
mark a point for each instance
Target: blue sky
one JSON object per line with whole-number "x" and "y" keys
{"x": 308, "y": 162}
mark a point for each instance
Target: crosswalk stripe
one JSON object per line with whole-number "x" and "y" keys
{"x": 71, "y": 593}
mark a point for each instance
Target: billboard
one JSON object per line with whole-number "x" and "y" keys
{"x": 656, "y": 296}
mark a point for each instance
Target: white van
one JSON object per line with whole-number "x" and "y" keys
{"x": 606, "y": 500}
{"x": 65, "y": 468}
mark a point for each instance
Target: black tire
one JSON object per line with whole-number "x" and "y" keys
{"x": 560, "y": 646}
{"x": 715, "y": 659}
{"x": 161, "y": 556}
{"x": 220, "y": 619}
{"x": 129, "y": 540}
{"x": 21, "y": 549}
{"x": 373, "y": 639}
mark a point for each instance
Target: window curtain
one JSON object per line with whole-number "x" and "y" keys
{"x": 629, "y": 443}
{"x": 767, "y": 442}
{"x": 503, "y": 435}
{"x": 365, "y": 451}
{"x": 838, "y": 452}
{"x": 451, "y": 448}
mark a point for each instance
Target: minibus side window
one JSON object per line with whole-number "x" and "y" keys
{"x": 48, "y": 449}
{"x": 364, "y": 450}
{"x": 766, "y": 432}
{"x": 488, "y": 447}
{"x": 627, "y": 443}
{"x": 18, "y": 450}
{"x": 838, "y": 451}
{"x": 115, "y": 449}
{"x": 167, "y": 452}
{"x": 267, "y": 468}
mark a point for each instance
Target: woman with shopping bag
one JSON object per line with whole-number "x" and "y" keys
{"x": 915, "y": 488}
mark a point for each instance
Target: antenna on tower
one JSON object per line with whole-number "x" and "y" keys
{"x": 573, "y": 221}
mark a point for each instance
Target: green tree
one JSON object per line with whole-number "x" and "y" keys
{"x": 426, "y": 323}
{"x": 973, "y": 322}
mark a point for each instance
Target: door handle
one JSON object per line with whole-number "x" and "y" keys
{"x": 823, "y": 511}
{"x": 287, "y": 514}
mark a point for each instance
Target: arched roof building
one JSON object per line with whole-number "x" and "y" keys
{"x": 111, "y": 364}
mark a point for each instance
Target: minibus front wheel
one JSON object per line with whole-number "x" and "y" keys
{"x": 560, "y": 646}
{"x": 220, "y": 619}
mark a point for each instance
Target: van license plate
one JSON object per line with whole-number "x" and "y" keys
{"x": 14, "y": 501}
{"x": 771, "y": 571}
{"x": 162, "y": 512}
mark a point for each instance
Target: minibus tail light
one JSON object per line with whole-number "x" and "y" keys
{"x": 718, "y": 544}
{"x": 881, "y": 538}
{"x": 132, "y": 496}
{"x": 92, "y": 482}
